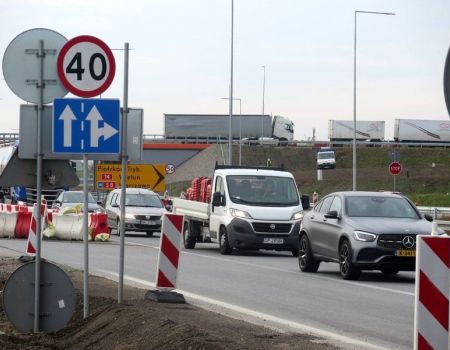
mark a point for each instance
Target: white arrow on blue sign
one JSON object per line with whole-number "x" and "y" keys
{"x": 86, "y": 126}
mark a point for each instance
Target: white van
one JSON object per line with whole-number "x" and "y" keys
{"x": 326, "y": 159}
{"x": 250, "y": 208}
{"x": 143, "y": 210}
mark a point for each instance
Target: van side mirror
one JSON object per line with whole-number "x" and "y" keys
{"x": 428, "y": 217}
{"x": 217, "y": 199}
{"x": 305, "y": 202}
{"x": 333, "y": 214}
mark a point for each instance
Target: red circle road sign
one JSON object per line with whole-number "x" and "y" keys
{"x": 86, "y": 66}
{"x": 395, "y": 168}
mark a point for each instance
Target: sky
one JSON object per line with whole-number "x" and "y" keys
{"x": 180, "y": 58}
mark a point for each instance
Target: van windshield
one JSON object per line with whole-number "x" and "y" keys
{"x": 262, "y": 190}
{"x": 143, "y": 200}
{"x": 325, "y": 155}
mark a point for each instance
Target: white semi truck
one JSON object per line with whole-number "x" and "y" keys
{"x": 342, "y": 130}
{"x": 250, "y": 208}
{"x": 214, "y": 126}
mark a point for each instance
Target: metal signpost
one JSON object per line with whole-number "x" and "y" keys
{"x": 29, "y": 68}
{"x": 124, "y": 157}
{"x": 86, "y": 67}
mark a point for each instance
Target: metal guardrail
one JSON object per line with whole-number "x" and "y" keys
{"x": 438, "y": 213}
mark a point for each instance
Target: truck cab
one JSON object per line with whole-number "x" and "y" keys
{"x": 283, "y": 129}
{"x": 326, "y": 158}
{"x": 250, "y": 209}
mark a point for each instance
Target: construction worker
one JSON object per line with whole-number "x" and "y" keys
{"x": 268, "y": 162}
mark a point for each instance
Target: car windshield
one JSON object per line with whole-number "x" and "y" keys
{"x": 77, "y": 197}
{"x": 376, "y": 206}
{"x": 143, "y": 200}
{"x": 325, "y": 155}
{"x": 262, "y": 190}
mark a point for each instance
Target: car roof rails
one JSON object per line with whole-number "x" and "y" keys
{"x": 222, "y": 166}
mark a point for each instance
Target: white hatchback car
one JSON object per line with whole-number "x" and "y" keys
{"x": 143, "y": 211}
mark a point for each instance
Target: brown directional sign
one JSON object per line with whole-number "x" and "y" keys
{"x": 151, "y": 176}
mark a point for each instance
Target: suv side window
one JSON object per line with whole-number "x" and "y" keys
{"x": 336, "y": 205}
{"x": 326, "y": 204}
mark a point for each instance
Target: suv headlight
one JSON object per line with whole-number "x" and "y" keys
{"x": 129, "y": 216}
{"x": 364, "y": 236}
{"x": 240, "y": 213}
{"x": 297, "y": 216}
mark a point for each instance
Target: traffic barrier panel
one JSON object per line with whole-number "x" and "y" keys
{"x": 315, "y": 199}
{"x": 68, "y": 226}
{"x": 98, "y": 223}
{"x": 169, "y": 252}
{"x": 8, "y": 222}
{"x": 23, "y": 224}
{"x": 32, "y": 237}
{"x": 431, "y": 324}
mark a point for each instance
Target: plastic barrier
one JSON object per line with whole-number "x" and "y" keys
{"x": 7, "y": 224}
{"x": 204, "y": 189}
{"x": 169, "y": 252}
{"x": 98, "y": 224}
{"x": 23, "y": 224}
{"x": 69, "y": 226}
{"x": 431, "y": 324}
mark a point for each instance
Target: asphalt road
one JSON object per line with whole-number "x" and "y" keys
{"x": 376, "y": 309}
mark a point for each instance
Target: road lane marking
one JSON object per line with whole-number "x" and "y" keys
{"x": 276, "y": 269}
{"x": 266, "y": 320}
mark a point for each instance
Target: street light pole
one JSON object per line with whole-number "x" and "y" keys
{"x": 240, "y": 126}
{"x": 230, "y": 135}
{"x": 354, "y": 91}
{"x": 263, "y": 93}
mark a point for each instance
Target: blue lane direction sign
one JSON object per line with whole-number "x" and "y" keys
{"x": 86, "y": 126}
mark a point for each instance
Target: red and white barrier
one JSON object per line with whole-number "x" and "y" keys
{"x": 169, "y": 252}
{"x": 32, "y": 237}
{"x": 431, "y": 326}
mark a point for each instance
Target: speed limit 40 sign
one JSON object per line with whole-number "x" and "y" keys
{"x": 86, "y": 66}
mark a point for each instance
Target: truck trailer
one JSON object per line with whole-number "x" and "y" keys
{"x": 420, "y": 130}
{"x": 216, "y": 126}
{"x": 342, "y": 130}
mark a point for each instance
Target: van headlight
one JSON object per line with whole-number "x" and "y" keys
{"x": 297, "y": 216}
{"x": 240, "y": 214}
{"x": 364, "y": 236}
{"x": 129, "y": 216}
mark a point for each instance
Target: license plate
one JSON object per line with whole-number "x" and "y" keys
{"x": 148, "y": 222}
{"x": 403, "y": 252}
{"x": 273, "y": 240}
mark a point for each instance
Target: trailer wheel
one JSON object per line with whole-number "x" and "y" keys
{"x": 225, "y": 248}
{"x": 189, "y": 239}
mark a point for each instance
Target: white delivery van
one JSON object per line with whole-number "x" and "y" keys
{"x": 250, "y": 208}
{"x": 326, "y": 158}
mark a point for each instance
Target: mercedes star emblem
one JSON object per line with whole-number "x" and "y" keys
{"x": 408, "y": 242}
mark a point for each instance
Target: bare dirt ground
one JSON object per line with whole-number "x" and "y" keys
{"x": 144, "y": 324}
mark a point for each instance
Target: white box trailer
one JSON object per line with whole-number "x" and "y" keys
{"x": 420, "y": 130}
{"x": 217, "y": 126}
{"x": 342, "y": 130}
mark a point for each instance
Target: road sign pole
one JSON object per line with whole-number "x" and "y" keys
{"x": 124, "y": 157}
{"x": 394, "y": 182}
{"x": 85, "y": 237}
{"x": 37, "y": 282}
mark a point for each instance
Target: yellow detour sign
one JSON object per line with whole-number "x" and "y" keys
{"x": 151, "y": 176}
